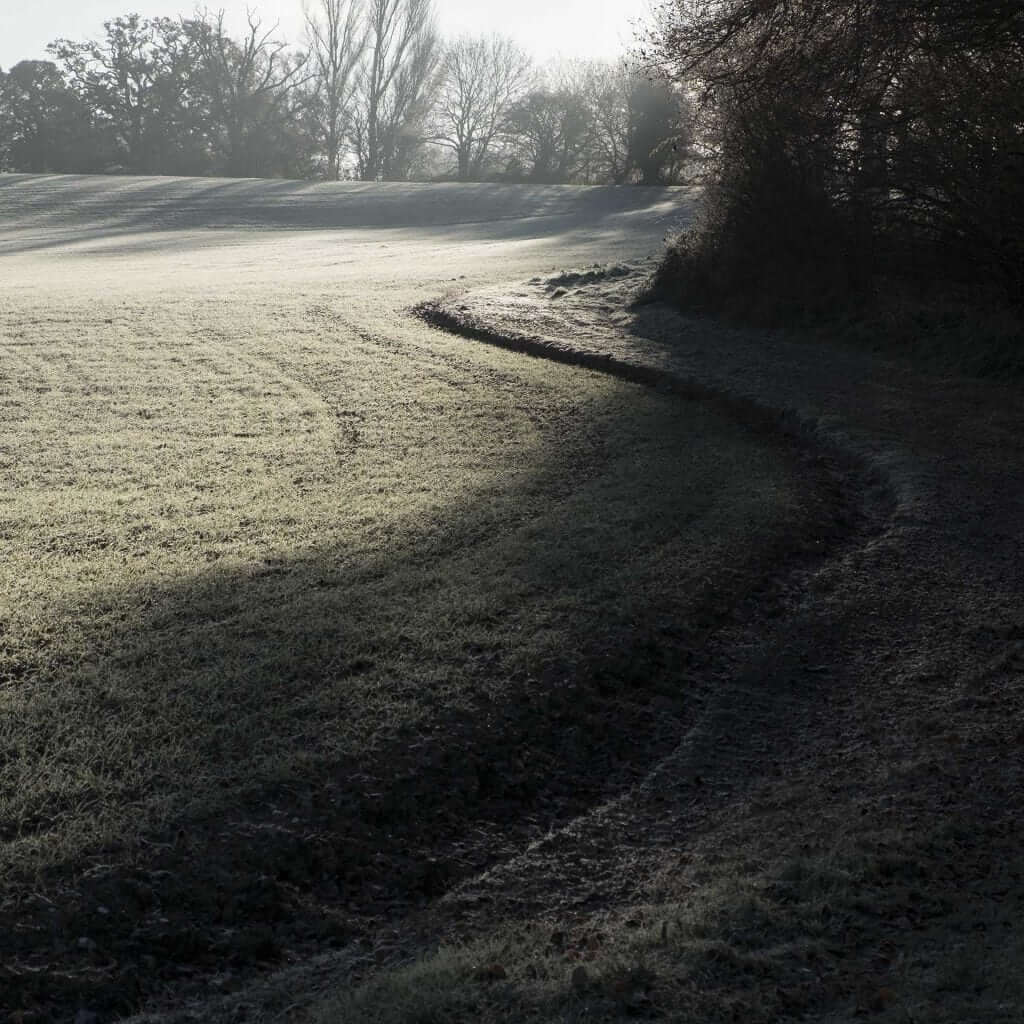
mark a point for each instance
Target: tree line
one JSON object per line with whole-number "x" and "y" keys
{"x": 373, "y": 93}
{"x": 854, "y": 144}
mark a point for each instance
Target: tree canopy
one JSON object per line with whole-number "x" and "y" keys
{"x": 854, "y": 138}
{"x": 372, "y": 92}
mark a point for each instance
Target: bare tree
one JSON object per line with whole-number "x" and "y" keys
{"x": 249, "y": 83}
{"x": 606, "y": 87}
{"x": 483, "y": 78}
{"x": 550, "y": 128}
{"x": 336, "y": 36}
{"x": 396, "y": 84}
{"x": 407, "y": 108}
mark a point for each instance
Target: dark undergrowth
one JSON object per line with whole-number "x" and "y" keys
{"x": 940, "y": 326}
{"x": 885, "y": 208}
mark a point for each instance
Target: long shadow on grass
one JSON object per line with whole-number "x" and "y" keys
{"x": 58, "y": 210}
{"x": 276, "y": 757}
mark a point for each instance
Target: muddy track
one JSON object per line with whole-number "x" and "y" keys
{"x": 883, "y": 692}
{"x": 742, "y": 718}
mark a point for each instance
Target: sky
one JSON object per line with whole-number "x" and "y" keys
{"x": 546, "y": 28}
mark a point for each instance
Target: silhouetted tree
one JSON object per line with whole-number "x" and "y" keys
{"x": 396, "y": 86}
{"x": 6, "y": 127}
{"x": 641, "y": 126}
{"x": 660, "y": 128}
{"x": 606, "y": 87}
{"x": 251, "y": 85}
{"x": 551, "y": 130}
{"x": 159, "y": 95}
{"x": 44, "y": 126}
{"x": 336, "y": 37}
{"x": 136, "y": 81}
{"x": 854, "y": 137}
{"x": 482, "y": 79}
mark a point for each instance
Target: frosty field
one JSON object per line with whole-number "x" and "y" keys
{"x": 308, "y": 610}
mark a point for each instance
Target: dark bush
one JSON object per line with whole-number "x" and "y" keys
{"x": 854, "y": 143}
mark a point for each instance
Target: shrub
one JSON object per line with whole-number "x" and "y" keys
{"x": 852, "y": 142}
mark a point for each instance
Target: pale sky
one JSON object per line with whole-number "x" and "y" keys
{"x": 547, "y": 28}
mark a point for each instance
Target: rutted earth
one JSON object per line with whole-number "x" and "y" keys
{"x": 874, "y": 686}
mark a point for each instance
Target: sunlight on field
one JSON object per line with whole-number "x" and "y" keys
{"x": 213, "y": 515}
{"x": 275, "y": 552}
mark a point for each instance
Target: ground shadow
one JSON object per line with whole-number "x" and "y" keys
{"x": 46, "y": 212}
{"x": 351, "y": 737}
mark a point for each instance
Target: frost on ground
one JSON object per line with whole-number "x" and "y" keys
{"x": 307, "y": 610}
{"x": 839, "y": 835}
{"x": 341, "y": 654}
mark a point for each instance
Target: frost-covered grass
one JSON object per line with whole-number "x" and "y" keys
{"x": 288, "y": 576}
{"x": 822, "y": 936}
{"x": 243, "y": 542}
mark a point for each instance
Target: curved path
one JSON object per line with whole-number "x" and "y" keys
{"x": 868, "y": 707}
{"x": 877, "y": 707}
{"x": 883, "y": 709}
{"x": 883, "y": 694}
